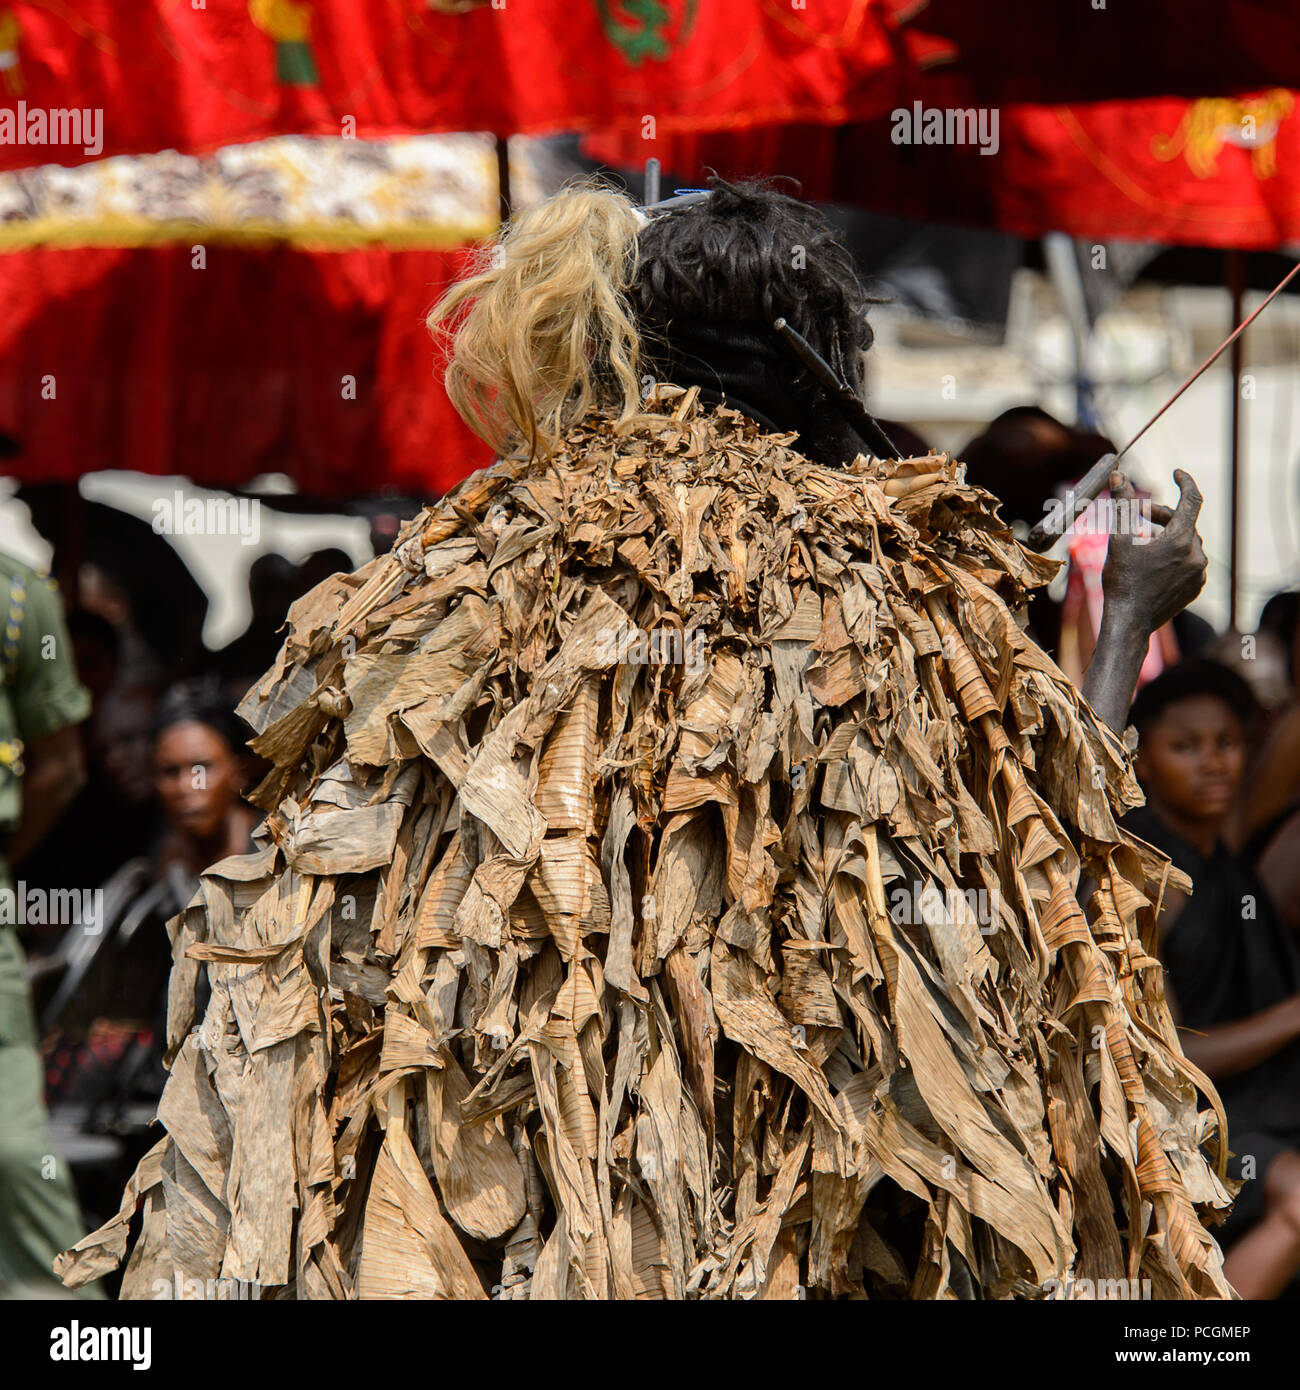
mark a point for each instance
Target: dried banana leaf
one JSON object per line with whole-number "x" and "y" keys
{"x": 669, "y": 889}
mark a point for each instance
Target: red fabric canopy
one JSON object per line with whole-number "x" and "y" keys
{"x": 1210, "y": 172}
{"x": 116, "y": 358}
{"x": 171, "y": 74}
{"x": 165, "y": 74}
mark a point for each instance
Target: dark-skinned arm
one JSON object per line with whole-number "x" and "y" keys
{"x": 1146, "y": 582}
{"x": 1111, "y": 677}
{"x": 1231, "y": 1048}
{"x": 1236, "y": 1047}
{"x": 55, "y": 772}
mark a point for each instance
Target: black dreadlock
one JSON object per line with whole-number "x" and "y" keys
{"x": 712, "y": 277}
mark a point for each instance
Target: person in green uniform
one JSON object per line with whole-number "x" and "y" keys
{"x": 41, "y": 770}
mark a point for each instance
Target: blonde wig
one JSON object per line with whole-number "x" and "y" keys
{"x": 543, "y": 331}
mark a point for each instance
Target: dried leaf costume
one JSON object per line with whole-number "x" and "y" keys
{"x": 669, "y": 889}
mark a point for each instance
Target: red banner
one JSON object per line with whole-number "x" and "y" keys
{"x": 317, "y": 365}
{"x": 105, "y": 77}
{"x": 1221, "y": 171}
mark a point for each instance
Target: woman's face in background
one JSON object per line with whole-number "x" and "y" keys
{"x": 1191, "y": 759}
{"x": 196, "y": 776}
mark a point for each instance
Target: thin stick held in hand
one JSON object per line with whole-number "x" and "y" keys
{"x": 1095, "y": 480}
{"x": 1093, "y": 483}
{"x": 1214, "y": 356}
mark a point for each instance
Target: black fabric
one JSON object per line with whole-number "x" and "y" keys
{"x": 748, "y": 368}
{"x": 738, "y": 363}
{"x": 1223, "y": 968}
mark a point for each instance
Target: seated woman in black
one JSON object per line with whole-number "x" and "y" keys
{"x": 1232, "y": 968}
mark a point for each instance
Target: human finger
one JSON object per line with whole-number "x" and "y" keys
{"x": 1189, "y": 504}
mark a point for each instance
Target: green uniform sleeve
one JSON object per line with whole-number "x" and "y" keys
{"x": 45, "y": 691}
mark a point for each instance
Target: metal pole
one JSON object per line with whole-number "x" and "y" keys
{"x": 1063, "y": 267}
{"x": 1236, "y": 275}
{"x": 650, "y": 194}
{"x": 71, "y": 555}
{"x": 503, "y": 176}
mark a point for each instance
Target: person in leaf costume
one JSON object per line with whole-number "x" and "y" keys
{"x": 682, "y": 876}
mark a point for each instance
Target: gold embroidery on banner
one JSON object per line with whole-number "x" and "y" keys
{"x": 1249, "y": 123}
{"x": 11, "y": 32}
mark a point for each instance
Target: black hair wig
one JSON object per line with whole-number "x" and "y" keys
{"x": 714, "y": 275}
{"x": 748, "y": 255}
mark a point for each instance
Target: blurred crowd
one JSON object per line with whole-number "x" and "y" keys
{"x": 133, "y": 772}
{"x": 162, "y": 764}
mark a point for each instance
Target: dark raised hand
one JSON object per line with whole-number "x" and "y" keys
{"x": 1146, "y": 581}
{"x": 1156, "y": 576}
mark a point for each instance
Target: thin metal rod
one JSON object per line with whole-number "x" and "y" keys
{"x": 1095, "y": 481}
{"x": 650, "y": 194}
{"x": 683, "y": 198}
{"x": 1213, "y": 357}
